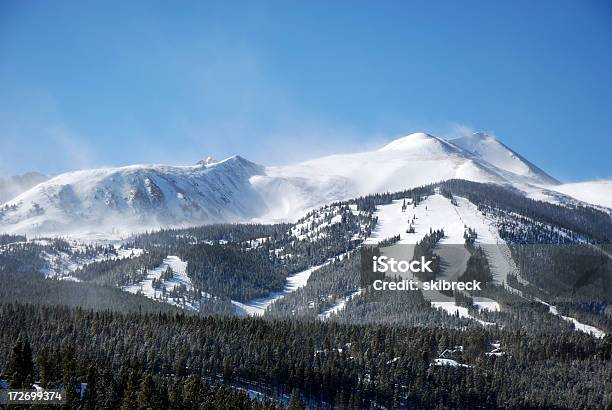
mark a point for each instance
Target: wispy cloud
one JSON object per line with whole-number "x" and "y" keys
{"x": 39, "y": 140}
{"x": 74, "y": 149}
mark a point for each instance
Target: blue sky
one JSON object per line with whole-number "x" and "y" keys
{"x": 87, "y": 84}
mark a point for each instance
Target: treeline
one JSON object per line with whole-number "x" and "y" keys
{"x": 588, "y": 221}
{"x": 6, "y": 239}
{"x": 369, "y": 203}
{"x": 121, "y": 272}
{"x": 215, "y": 232}
{"x": 31, "y": 287}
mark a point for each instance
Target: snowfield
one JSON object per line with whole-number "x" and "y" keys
{"x": 488, "y": 149}
{"x": 592, "y": 192}
{"x": 437, "y": 212}
{"x": 120, "y": 201}
{"x": 113, "y": 202}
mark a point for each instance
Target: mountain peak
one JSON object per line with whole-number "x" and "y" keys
{"x": 489, "y": 149}
{"x": 411, "y": 141}
{"x": 482, "y": 136}
{"x": 208, "y": 161}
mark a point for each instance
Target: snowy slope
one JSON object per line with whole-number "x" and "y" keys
{"x": 164, "y": 292}
{"x": 136, "y": 198}
{"x": 258, "y": 306}
{"x": 578, "y": 326}
{"x": 414, "y": 160}
{"x": 437, "y": 212}
{"x": 122, "y": 200}
{"x": 12, "y": 186}
{"x": 61, "y": 265}
{"x": 593, "y": 192}
{"x": 488, "y": 149}
{"x": 411, "y": 161}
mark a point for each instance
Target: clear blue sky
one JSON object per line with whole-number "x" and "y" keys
{"x": 88, "y": 83}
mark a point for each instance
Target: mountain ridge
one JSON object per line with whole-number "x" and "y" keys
{"x": 144, "y": 197}
{"x": 11, "y": 187}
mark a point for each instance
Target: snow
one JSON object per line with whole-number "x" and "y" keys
{"x": 496, "y": 351}
{"x": 581, "y": 327}
{"x": 488, "y": 149}
{"x": 120, "y": 201}
{"x": 395, "y": 359}
{"x": 420, "y": 143}
{"x": 257, "y": 307}
{"x": 592, "y": 192}
{"x": 487, "y": 304}
{"x": 339, "y": 306}
{"x": 452, "y": 309}
{"x": 448, "y": 362}
{"x": 62, "y": 264}
{"x": 437, "y": 212}
{"x": 411, "y": 161}
{"x": 311, "y": 226}
{"x": 179, "y": 277}
{"x": 592, "y": 330}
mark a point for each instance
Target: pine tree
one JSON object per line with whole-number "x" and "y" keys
{"x": 192, "y": 392}
{"x": 91, "y": 392}
{"x": 45, "y": 366}
{"x": 20, "y": 367}
{"x": 69, "y": 379}
{"x": 146, "y": 396}
{"x": 296, "y": 403}
{"x": 130, "y": 401}
{"x": 176, "y": 395}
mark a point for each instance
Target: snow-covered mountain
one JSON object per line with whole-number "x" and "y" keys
{"x": 592, "y": 192}
{"x": 140, "y": 197}
{"x": 12, "y": 186}
{"x": 136, "y": 198}
{"x": 488, "y": 149}
{"x": 407, "y": 162}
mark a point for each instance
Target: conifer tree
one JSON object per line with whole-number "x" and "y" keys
{"x": 296, "y": 403}
{"x": 20, "y": 367}
{"x": 146, "y": 395}
{"x": 92, "y": 390}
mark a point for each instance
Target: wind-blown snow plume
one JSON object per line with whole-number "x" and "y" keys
{"x": 139, "y": 197}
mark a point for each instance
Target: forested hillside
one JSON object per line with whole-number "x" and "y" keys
{"x": 173, "y": 360}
